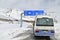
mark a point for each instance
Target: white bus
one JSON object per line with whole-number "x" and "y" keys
{"x": 43, "y": 26}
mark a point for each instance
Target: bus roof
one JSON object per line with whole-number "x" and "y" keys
{"x": 40, "y": 16}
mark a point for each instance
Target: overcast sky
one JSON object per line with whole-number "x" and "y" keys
{"x": 31, "y": 4}
{"x": 28, "y": 3}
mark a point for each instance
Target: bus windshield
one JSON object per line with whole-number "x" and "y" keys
{"x": 44, "y": 22}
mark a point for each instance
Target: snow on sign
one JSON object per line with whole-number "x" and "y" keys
{"x": 33, "y": 12}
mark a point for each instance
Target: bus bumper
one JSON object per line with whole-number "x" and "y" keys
{"x": 42, "y": 33}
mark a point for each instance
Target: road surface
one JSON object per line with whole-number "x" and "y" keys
{"x": 28, "y": 35}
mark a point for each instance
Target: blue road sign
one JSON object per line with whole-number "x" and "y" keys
{"x": 33, "y": 12}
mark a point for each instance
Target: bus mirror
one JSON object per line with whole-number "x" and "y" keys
{"x": 55, "y": 21}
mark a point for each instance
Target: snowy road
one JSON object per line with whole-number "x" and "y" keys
{"x": 8, "y": 31}
{"x": 28, "y": 35}
{"x": 15, "y": 32}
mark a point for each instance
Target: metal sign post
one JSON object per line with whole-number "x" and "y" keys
{"x": 21, "y": 20}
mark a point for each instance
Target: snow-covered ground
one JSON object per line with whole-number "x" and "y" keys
{"x": 8, "y": 31}
{"x": 57, "y": 31}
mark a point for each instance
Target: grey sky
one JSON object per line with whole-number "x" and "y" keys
{"x": 27, "y": 3}
{"x": 30, "y": 4}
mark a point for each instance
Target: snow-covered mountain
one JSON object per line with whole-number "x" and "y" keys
{"x": 15, "y": 14}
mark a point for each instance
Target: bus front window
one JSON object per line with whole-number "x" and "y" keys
{"x": 44, "y": 22}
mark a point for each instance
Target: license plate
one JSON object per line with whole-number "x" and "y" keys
{"x": 44, "y": 31}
